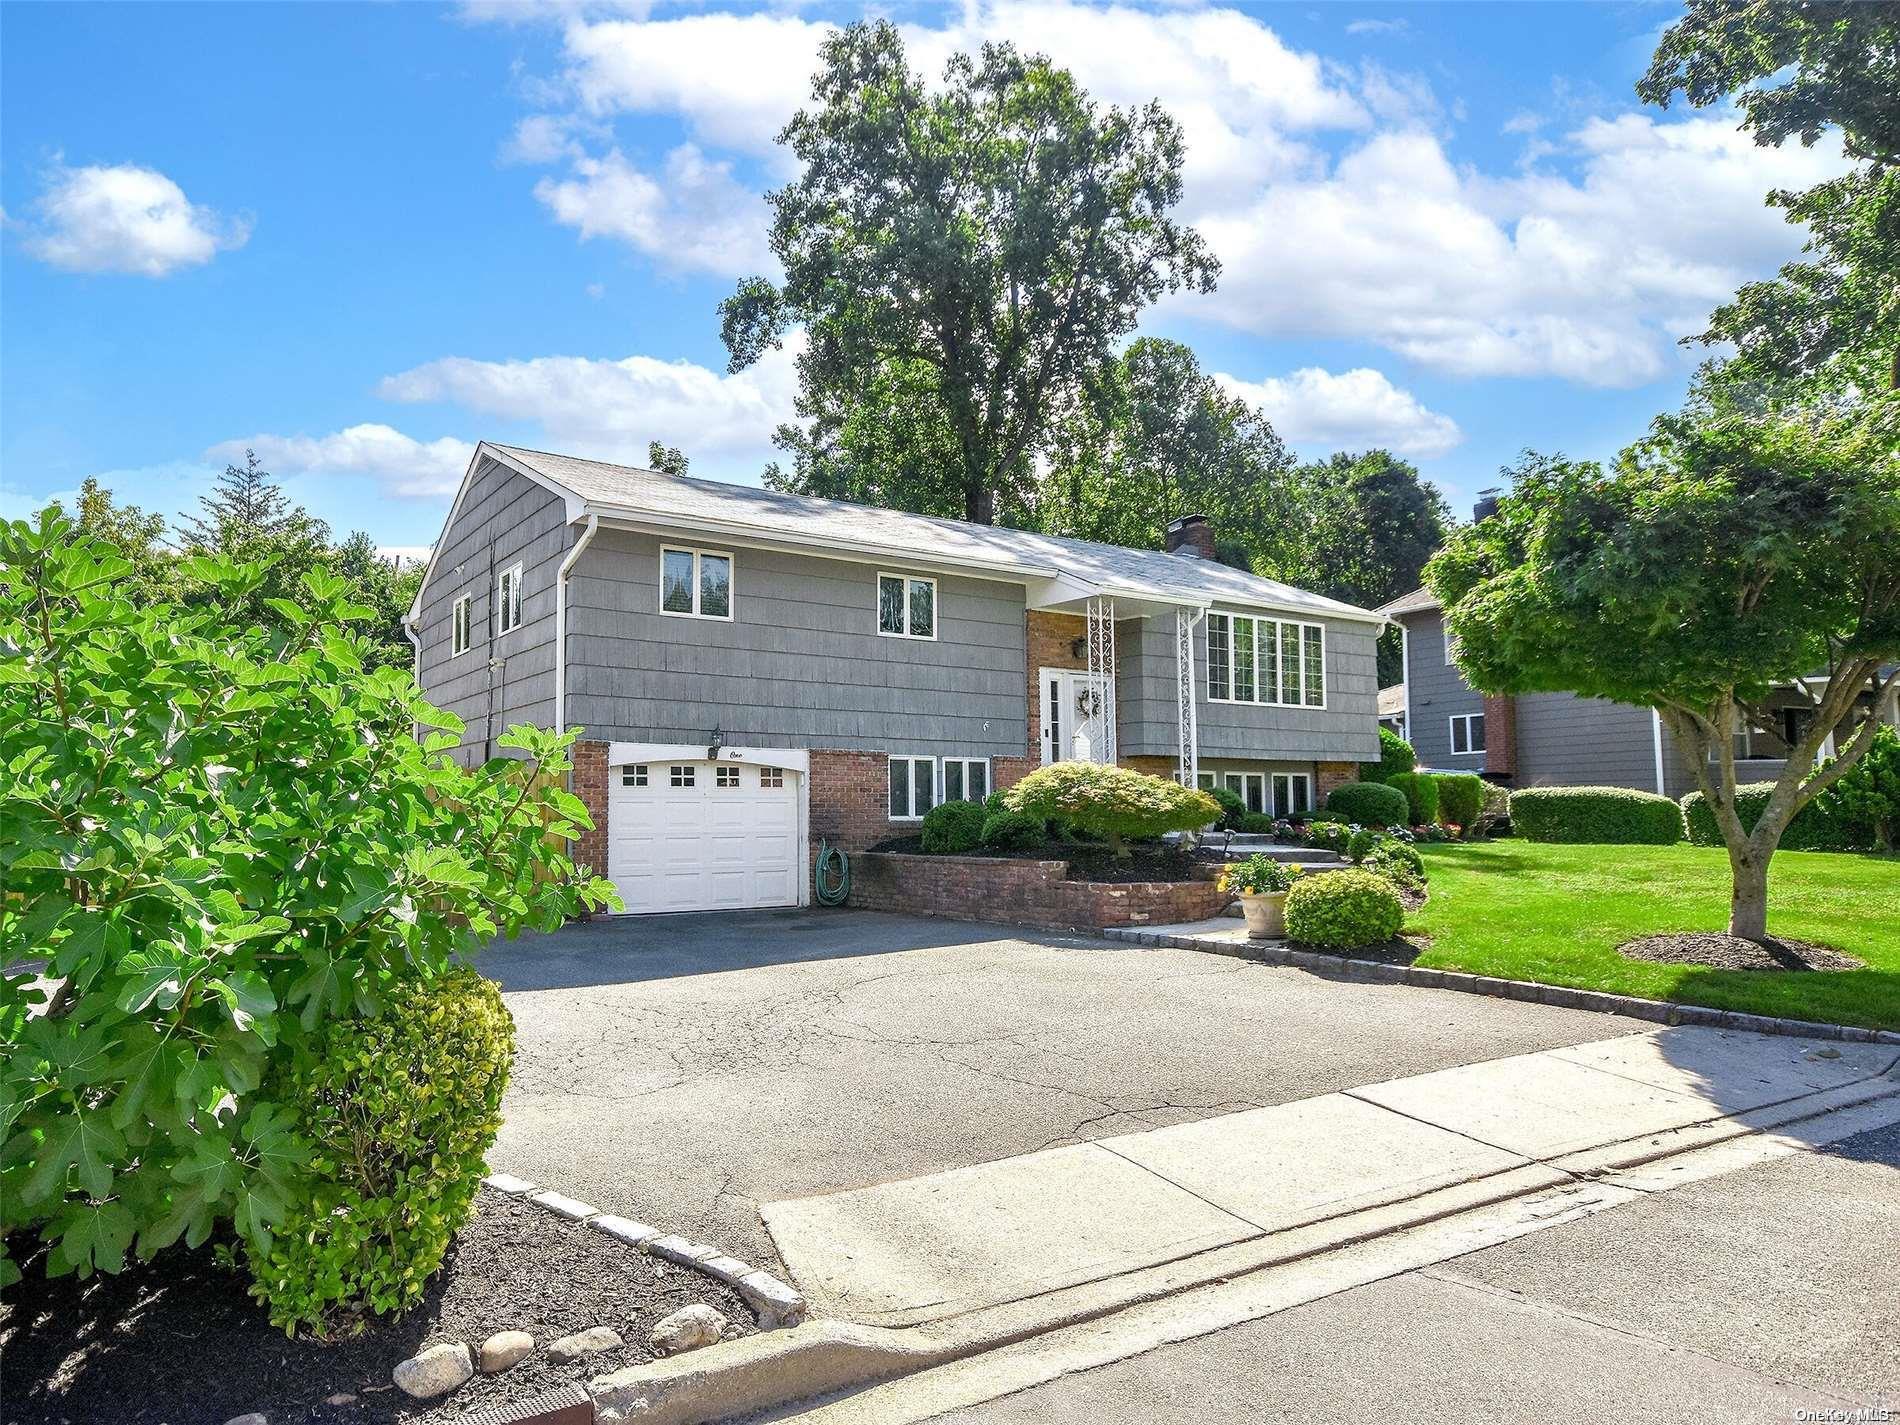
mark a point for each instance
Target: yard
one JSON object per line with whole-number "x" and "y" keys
{"x": 1555, "y": 914}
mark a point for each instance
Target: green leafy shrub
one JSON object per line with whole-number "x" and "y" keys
{"x": 1256, "y": 823}
{"x": 1232, "y": 808}
{"x": 1014, "y": 831}
{"x": 1420, "y": 790}
{"x": 1395, "y": 756}
{"x": 1343, "y": 910}
{"x": 1333, "y": 836}
{"x": 1606, "y": 815}
{"x": 951, "y": 828}
{"x": 267, "y": 849}
{"x": 994, "y": 803}
{"x": 1867, "y": 797}
{"x": 1822, "y": 825}
{"x": 1398, "y": 863}
{"x": 1460, "y": 798}
{"x": 399, "y": 1112}
{"x": 1362, "y": 841}
{"x": 1258, "y": 875}
{"x": 1113, "y": 802}
{"x": 1368, "y": 803}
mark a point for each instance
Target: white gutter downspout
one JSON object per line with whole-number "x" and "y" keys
{"x": 1655, "y": 718}
{"x": 415, "y": 668}
{"x": 1405, "y": 678}
{"x": 560, "y": 621}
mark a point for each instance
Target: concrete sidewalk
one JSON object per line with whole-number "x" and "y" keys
{"x": 1363, "y": 1161}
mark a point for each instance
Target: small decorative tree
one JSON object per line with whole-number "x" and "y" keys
{"x": 217, "y": 840}
{"x": 1112, "y": 802}
{"x": 1727, "y": 556}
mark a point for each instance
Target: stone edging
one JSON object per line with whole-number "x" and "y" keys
{"x": 1661, "y": 1011}
{"x": 772, "y": 1301}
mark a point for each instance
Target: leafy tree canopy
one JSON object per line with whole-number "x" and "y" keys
{"x": 666, "y": 459}
{"x": 978, "y": 247}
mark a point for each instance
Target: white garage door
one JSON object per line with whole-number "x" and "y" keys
{"x": 703, "y": 835}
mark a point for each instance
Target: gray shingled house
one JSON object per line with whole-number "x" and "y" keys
{"x": 1559, "y": 739}
{"x": 755, "y": 671}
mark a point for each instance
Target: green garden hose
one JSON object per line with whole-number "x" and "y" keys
{"x": 830, "y": 857}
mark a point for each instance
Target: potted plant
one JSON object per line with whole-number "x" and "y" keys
{"x": 1262, "y": 884}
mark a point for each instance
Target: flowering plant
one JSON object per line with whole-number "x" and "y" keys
{"x": 1258, "y": 875}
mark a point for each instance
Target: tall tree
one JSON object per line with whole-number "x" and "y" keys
{"x": 1155, "y": 437}
{"x": 1728, "y": 555}
{"x": 1800, "y": 68}
{"x": 666, "y": 459}
{"x": 137, "y": 534}
{"x": 979, "y": 248}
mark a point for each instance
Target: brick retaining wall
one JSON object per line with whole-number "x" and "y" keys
{"x": 1022, "y": 892}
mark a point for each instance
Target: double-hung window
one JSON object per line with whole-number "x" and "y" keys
{"x": 458, "y": 636}
{"x": 1264, "y": 660}
{"x": 966, "y": 779}
{"x": 1292, "y": 793}
{"x": 913, "y": 787}
{"x": 695, "y": 583}
{"x": 508, "y": 599}
{"x": 1467, "y": 734}
{"x": 906, "y": 606}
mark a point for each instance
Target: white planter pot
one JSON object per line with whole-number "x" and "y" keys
{"x": 1266, "y": 915}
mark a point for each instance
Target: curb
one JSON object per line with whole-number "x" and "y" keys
{"x": 775, "y": 1304}
{"x": 1563, "y": 996}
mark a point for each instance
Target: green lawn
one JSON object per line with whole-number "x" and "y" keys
{"x": 1555, "y": 914}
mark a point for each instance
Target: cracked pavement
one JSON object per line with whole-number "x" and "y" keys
{"x": 684, "y": 1069}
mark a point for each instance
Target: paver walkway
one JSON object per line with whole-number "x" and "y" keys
{"x": 926, "y": 1248}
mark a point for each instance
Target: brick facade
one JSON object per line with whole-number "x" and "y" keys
{"x": 1500, "y": 735}
{"x": 1021, "y": 892}
{"x": 1051, "y": 642}
{"x": 1328, "y": 776}
{"x": 1163, "y": 767}
{"x": 588, "y": 781}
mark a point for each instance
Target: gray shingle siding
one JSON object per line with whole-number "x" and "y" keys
{"x": 1345, "y": 730}
{"x": 1567, "y": 741}
{"x": 801, "y": 663}
{"x": 1437, "y": 692}
{"x": 503, "y": 518}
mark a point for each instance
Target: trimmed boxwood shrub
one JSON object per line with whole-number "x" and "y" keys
{"x": 1395, "y": 756}
{"x": 1343, "y": 910}
{"x": 1256, "y": 823}
{"x": 1818, "y": 826}
{"x": 1362, "y": 841}
{"x": 1420, "y": 790}
{"x": 1606, "y": 815}
{"x": 1460, "y": 797}
{"x": 1328, "y": 835}
{"x": 1014, "y": 831}
{"x": 398, "y": 1112}
{"x": 953, "y": 827}
{"x": 1398, "y": 863}
{"x": 1232, "y": 808}
{"x": 1368, "y": 803}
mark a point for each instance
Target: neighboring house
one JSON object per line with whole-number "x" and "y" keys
{"x": 1392, "y": 708}
{"x": 1559, "y": 739}
{"x": 755, "y": 671}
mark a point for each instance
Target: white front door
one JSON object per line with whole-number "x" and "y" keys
{"x": 1074, "y": 716}
{"x": 700, "y": 835}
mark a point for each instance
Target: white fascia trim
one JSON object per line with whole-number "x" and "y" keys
{"x": 793, "y": 759}
{"x": 1346, "y": 613}
{"x": 569, "y": 499}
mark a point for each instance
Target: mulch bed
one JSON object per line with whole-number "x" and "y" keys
{"x": 1087, "y": 862}
{"x": 1400, "y": 950}
{"x": 178, "y": 1341}
{"x": 1733, "y": 952}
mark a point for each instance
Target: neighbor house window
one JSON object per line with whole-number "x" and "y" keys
{"x": 696, "y": 583}
{"x": 1467, "y": 733}
{"x": 635, "y": 776}
{"x": 458, "y": 637}
{"x": 1292, "y": 793}
{"x": 1263, "y": 660}
{"x": 913, "y": 787}
{"x": 906, "y": 606}
{"x": 966, "y": 779}
{"x": 508, "y": 599}
{"x": 771, "y": 778}
{"x": 680, "y": 776}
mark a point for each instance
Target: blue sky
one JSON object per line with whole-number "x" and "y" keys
{"x": 362, "y": 237}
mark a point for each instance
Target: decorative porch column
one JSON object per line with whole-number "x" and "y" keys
{"x": 1189, "y": 729}
{"x": 1101, "y": 667}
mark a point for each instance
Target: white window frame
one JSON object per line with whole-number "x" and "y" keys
{"x": 732, "y": 582}
{"x": 772, "y": 779}
{"x": 1470, "y": 720}
{"x": 1273, "y": 792}
{"x": 461, "y": 636}
{"x": 1239, "y": 782}
{"x": 1262, "y": 622}
{"x": 877, "y": 605}
{"x": 633, "y": 774}
{"x": 910, "y": 785}
{"x": 508, "y": 599}
{"x": 966, "y": 763}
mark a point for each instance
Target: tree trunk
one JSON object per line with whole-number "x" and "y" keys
{"x": 1748, "y": 895}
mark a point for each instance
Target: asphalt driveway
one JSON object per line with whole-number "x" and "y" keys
{"x": 685, "y": 1069}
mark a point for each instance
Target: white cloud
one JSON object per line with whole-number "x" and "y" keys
{"x": 694, "y": 217}
{"x": 611, "y": 409}
{"x": 1378, "y": 27}
{"x": 126, "y": 219}
{"x": 401, "y": 464}
{"x": 1356, "y": 409}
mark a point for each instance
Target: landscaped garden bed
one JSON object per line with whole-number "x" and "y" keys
{"x": 180, "y": 1341}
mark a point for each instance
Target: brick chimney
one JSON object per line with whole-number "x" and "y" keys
{"x": 1500, "y": 735}
{"x": 1191, "y": 535}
